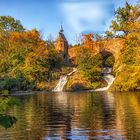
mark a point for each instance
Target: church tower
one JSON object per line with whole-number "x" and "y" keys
{"x": 61, "y": 45}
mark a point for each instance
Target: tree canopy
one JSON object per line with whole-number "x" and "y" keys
{"x": 26, "y": 59}
{"x": 125, "y": 18}
{"x": 9, "y": 24}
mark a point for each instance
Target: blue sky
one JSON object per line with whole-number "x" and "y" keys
{"x": 77, "y": 16}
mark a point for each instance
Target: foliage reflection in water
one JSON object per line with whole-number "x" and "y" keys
{"x": 76, "y": 116}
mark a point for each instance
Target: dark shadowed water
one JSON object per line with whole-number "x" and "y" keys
{"x": 75, "y": 116}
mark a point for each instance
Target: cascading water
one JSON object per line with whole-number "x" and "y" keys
{"x": 60, "y": 84}
{"x": 62, "y": 81}
{"x": 108, "y": 78}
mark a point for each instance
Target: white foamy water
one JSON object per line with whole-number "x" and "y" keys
{"x": 62, "y": 81}
{"x": 108, "y": 78}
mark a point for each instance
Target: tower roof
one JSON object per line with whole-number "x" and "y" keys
{"x": 61, "y": 30}
{"x": 61, "y": 36}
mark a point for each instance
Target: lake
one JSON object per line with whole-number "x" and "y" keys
{"x": 75, "y": 116}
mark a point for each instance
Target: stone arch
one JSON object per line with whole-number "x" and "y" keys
{"x": 108, "y": 58}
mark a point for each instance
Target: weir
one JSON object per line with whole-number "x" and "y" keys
{"x": 62, "y": 81}
{"x": 108, "y": 77}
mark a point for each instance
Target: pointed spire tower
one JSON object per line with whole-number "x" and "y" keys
{"x": 61, "y": 44}
{"x": 61, "y": 30}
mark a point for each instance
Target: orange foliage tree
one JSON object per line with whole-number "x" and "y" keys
{"x": 26, "y": 60}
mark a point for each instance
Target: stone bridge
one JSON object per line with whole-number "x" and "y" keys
{"x": 112, "y": 46}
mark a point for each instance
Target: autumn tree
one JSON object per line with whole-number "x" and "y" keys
{"x": 109, "y": 34}
{"x": 88, "y": 41}
{"x": 127, "y": 66}
{"x": 26, "y": 60}
{"x": 9, "y": 24}
{"x": 126, "y": 17}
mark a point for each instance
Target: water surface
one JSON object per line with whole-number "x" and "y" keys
{"x": 75, "y": 116}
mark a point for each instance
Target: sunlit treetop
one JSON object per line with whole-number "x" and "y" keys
{"x": 9, "y": 24}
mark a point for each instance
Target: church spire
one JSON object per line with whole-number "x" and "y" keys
{"x": 61, "y": 44}
{"x": 61, "y": 30}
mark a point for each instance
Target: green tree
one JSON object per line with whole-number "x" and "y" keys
{"x": 54, "y": 61}
{"x": 9, "y": 24}
{"x": 90, "y": 64}
{"x": 6, "y": 103}
{"x": 124, "y": 16}
{"x": 109, "y": 35}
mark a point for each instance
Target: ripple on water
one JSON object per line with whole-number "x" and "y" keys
{"x": 75, "y": 116}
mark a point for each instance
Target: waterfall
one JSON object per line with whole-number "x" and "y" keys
{"x": 62, "y": 81}
{"x": 108, "y": 78}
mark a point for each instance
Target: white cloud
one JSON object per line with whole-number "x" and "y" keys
{"x": 86, "y": 16}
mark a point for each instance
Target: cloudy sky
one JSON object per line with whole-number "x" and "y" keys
{"x": 77, "y": 16}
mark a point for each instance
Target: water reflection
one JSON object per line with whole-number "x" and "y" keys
{"x": 76, "y": 116}
{"x": 7, "y": 121}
